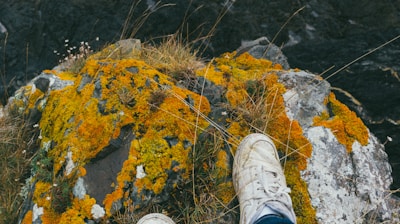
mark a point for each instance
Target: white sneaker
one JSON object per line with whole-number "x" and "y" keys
{"x": 155, "y": 218}
{"x": 259, "y": 180}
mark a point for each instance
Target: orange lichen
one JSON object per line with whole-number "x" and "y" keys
{"x": 82, "y": 171}
{"x": 304, "y": 213}
{"x": 116, "y": 195}
{"x": 91, "y": 68}
{"x": 345, "y": 124}
{"x": 50, "y": 217}
{"x": 79, "y": 211}
{"x": 27, "y": 218}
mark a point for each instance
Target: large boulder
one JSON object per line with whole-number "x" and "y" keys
{"x": 122, "y": 136}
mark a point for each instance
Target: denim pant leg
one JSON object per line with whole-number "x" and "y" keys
{"x": 273, "y": 219}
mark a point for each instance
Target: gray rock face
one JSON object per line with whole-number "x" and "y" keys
{"x": 344, "y": 187}
{"x": 304, "y": 96}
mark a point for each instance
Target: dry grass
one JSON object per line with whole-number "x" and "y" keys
{"x": 173, "y": 57}
{"x": 16, "y": 142}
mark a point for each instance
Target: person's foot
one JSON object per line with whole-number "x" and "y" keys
{"x": 259, "y": 180}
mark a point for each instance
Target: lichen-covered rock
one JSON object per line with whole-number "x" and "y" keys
{"x": 119, "y": 136}
{"x": 348, "y": 175}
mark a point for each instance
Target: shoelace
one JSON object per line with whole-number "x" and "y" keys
{"x": 269, "y": 184}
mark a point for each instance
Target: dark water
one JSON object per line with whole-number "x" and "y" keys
{"x": 323, "y": 34}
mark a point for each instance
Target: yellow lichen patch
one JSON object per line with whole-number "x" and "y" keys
{"x": 91, "y": 67}
{"x": 66, "y": 75}
{"x": 222, "y": 164}
{"x": 239, "y": 129}
{"x": 42, "y": 197}
{"x": 34, "y": 97}
{"x": 79, "y": 211}
{"x": 48, "y": 72}
{"x": 42, "y": 194}
{"x": 345, "y": 124}
{"x": 224, "y": 188}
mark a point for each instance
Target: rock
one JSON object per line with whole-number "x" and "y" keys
{"x": 346, "y": 185}
{"x": 120, "y": 137}
{"x": 263, "y": 48}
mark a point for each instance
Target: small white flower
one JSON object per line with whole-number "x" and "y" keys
{"x": 97, "y": 38}
{"x": 48, "y": 198}
{"x": 389, "y": 138}
{"x": 36, "y": 125}
{"x": 66, "y": 41}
